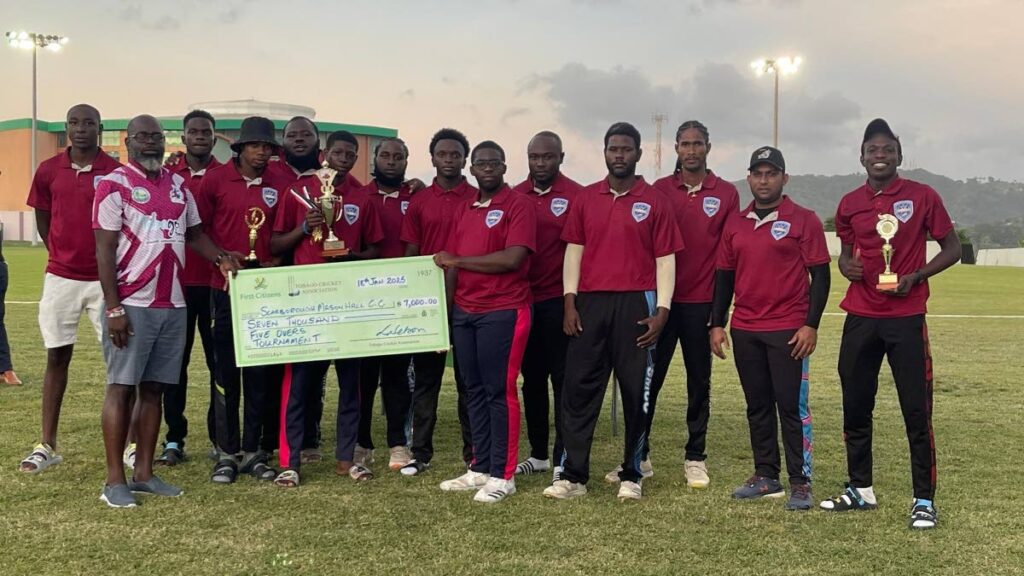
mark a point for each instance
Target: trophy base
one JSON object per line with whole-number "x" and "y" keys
{"x": 887, "y": 282}
{"x": 247, "y": 263}
{"x": 334, "y": 249}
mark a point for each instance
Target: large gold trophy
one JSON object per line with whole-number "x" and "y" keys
{"x": 329, "y": 203}
{"x": 254, "y": 220}
{"x": 886, "y": 227}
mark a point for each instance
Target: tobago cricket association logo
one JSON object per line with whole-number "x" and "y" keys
{"x": 641, "y": 210}
{"x": 780, "y": 229}
{"x": 269, "y": 197}
{"x": 493, "y": 217}
{"x": 96, "y": 180}
{"x": 140, "y": 195}
{"x": 711, "y": 206}
{"x": 351, "y": 213}
{"x": 903, "y": 210}
{"x": 559, "y": 206}
{"x": 405, "y": 206}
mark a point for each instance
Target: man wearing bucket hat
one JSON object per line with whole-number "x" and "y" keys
{"x": 240, "y": 196}
{"x": 886, "y": 316}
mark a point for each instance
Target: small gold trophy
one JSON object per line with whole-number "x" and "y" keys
{"x": 887, "y": 226}
{"x": 254, "y": 219}
{"x": 333, "y": 246}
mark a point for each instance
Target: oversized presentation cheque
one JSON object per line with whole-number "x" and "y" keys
{"x": 342, "y": 310}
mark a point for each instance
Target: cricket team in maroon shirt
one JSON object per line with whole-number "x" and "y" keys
{"x": 549, "y": 279}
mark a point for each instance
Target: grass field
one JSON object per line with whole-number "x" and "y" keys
{"x": 54, "y": 524}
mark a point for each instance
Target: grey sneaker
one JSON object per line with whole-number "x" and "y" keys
{"x": 759, "y": 487}
{"x": 118, "y": 496}
{"x": 155, "y": 486}
{"x": 799, "y": 497}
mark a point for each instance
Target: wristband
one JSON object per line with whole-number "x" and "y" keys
{"x": 115, "y": 312}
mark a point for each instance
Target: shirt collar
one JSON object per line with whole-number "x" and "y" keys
{"x": 782, "y": 210}
{"x": 891, "y": 189}
{"x": 498, "y": 198}
{"x": 636, "y": 190}
{"x": 709, "y": 182}
{"x": 133, "y": 165}
{"x": 759, "y": 221}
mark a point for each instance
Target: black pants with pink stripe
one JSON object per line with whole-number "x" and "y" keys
{"x": 303, "y": 382}
{"x": 904, "y": 341}
{"x": 490, "y": 349}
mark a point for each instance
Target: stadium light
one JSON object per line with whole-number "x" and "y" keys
{"x": 32, "y": 41}
{"x": 782, "y": 66}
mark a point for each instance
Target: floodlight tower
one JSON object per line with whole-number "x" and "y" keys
{"x": 33, "y": 41}
{"x": 784, "y": 65}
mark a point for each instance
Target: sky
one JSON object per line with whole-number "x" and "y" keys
{"x": 945, "y": 73}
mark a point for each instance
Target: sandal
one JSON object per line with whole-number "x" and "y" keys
{"x": 256, "y": 466}
{"x": 224, "y": 472}
{"x": 287, "y": 479}
{"x": 172, "y": 455}
{"x": 41, "y": 458}
{"x": 310, "y": 456}
{"x": 360, "y": 473}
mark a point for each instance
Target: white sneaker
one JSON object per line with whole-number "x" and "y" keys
{"x": 363, "y": 456}
{"x": 531, "y": 465}
{"x": 564, "y": 490}
{"x": 495, "y": 490}
{"x": 468, "y": 481}
{"x": 630, "y": 490}
{"x": 646, "y": 470}
{"x": 128, "y": 457}
{"x": 696, "y": 474}
{"x": 400, "y": 456}
{"x": 557, "y": 475}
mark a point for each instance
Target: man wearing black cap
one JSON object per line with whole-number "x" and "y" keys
{"x": 234, "y": 197}
{"x": 886, "y": 316}
{"x": 766, "y": 255}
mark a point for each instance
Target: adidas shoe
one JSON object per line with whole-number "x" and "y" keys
{"x": 531, "y": 465}
{"x": 564, "y": 490}
{"x": 495, "y": 490}
{"x": 468, "y": 481}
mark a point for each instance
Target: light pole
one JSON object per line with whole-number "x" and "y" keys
{"x": 776, "y": 67}
{"x": 32, "y": 41}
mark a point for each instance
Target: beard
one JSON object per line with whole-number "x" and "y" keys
{"x": 150, "y": 162}
{"x": 389, "y": 181}
{"x": 302, "y": 163}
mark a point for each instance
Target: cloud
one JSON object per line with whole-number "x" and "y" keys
{"x": 133, "y": 13}
{"x": 734, "y": 105}
{"x": 151, "y": 16}
{"x": 514, "y": 112}
{"x": 408, "y": 93}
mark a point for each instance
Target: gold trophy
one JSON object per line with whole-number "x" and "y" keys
{"x": 886, "y": 227}
{"x": 254, "y": 219}
{"x": 333, "y": 246}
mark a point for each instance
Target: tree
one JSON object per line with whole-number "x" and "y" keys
{"x": 830, "y": 224}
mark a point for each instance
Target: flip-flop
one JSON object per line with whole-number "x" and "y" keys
{"x": 360, "y": 473}
{"x": 287, "y": 479}
{"x": 42, "y": 457}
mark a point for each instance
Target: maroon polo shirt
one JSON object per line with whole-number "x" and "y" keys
{"x": 391, "y": 208}
{"x": 224, "y": 201}
{"x": 67, "y": 191}
{"x": 197, "y": 269}
{"x": 701, "y": 216}
{"x": 920, "y": 213}
{"x": 357, "y": 222}
{"x": 771, "y": 258}
{"x": 621, "y": 236}
{"x": 552, "y": 209}
{"x": 507, "y": 220}
{"x": 428, "y": 221}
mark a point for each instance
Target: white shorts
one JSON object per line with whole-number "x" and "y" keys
{"x": 61, "y": 307}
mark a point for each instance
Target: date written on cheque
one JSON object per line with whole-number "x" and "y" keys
{"x": 372, "y": 281}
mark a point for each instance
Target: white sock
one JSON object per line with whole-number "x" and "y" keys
{"x": 868, "y": 494}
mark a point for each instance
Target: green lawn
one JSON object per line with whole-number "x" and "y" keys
{"x": 54, "y": 524}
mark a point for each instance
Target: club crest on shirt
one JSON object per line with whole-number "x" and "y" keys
{"x": 405, "y": 206}
{"x": 711, "y": 206}
{"x": 493, "y": 217}
{"x": 903, "y": 210}
{"x": 140, "y": 195}
{"x": 559, "y": 206}
{"x": 177, "y": 196}
{"x": 96, "y": 180}
{"x": 269, "y": 197}
{"x": 641, "y": 210}
{"x": 780, "y": 229}
{"x": 351, "y": 213}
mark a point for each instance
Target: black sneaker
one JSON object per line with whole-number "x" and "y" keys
{"x": 923, "y": 516}
{"x": 172, "y": 455}
{"x": 759, "y": 487}
{"x": 848, "y": 500}
{"x": 414, "y": 468}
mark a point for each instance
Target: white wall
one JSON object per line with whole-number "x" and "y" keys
{"x": 19, "y": 225}
{"x": 1001, "y": 257}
